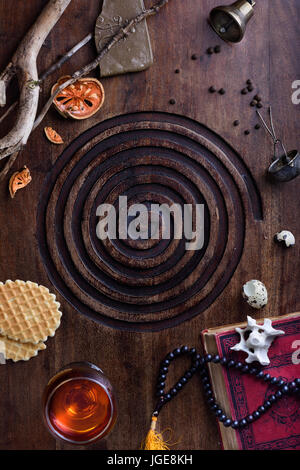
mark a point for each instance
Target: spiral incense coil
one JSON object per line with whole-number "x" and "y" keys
{"x": 151, "y": 158}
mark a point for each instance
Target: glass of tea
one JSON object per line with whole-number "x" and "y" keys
{"x": 79, "y": 404}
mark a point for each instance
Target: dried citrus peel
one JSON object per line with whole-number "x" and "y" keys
{"x": 19, "y": 180}
{"x": 53, "y": 136}
{"x": 80, "y": 100}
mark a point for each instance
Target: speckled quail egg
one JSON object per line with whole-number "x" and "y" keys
{"x": 285, "y": 237}
{"x": 255, "y": 293}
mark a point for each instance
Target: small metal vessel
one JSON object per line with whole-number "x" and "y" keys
{"x": 285, "y": 166}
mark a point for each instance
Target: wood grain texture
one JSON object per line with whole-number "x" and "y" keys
{"x": 131, "y": 358}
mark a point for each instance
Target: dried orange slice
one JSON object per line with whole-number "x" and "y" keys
{"x": 80, "y": 100}
{"x": 53, "y": 136}
{"x": 19, "y": 180}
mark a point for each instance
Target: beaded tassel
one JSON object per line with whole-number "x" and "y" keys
{"x": 154, "y": 440}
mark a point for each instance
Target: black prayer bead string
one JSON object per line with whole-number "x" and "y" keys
{"x": 199, "y": 363}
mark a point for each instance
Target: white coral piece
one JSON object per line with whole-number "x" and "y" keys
{"x": 285, "y": 236}
{"x": 256, "y": 340}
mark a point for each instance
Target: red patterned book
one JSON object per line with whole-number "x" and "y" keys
{"x": 240, "y": 395}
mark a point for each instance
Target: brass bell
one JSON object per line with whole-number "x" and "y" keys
{"x": 230, "y": 21}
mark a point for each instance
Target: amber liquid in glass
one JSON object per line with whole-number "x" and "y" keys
{"x": 79, "y": 404}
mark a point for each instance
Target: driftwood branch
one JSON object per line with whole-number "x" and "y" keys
{"x": 23, "y": 64}
{"x": 5, "y": 79}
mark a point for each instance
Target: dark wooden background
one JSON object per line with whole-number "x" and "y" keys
{"x": 269, "y": 56}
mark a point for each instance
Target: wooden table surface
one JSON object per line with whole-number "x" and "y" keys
{"x": 268, "y": 55}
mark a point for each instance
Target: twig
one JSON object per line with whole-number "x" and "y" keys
{"x": 8, "y": 111}
{"x": 122, "y": 33}
{"x": 8, "y": 165}
{"x": 65, "y": 57}
{"x": 5, "y": 79}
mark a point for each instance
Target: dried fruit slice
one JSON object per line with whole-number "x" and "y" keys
{"x": 80, "y": 100}
{"x": 53, "y": 136}
{"x": 19, "y": 180}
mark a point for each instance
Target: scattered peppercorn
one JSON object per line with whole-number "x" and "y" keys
{"x": 250, "y": 88}
{"x": 257, "y": 126}
{"x": 244, "y": 91}
{"x": 236, "y": 123}
{"x": 172, "y": 101}
{"x": 212, "y": 89}
{"x": 253, "y": 103}
{"x": 259, "y": 105}
{"x": 222, "y": 91}
{"x": 249, "y": 82}
{"x": 194, "y": 57}
{"x": 247, "y": 132}
{"x": 217, "y": 49}
{"x": 177, "y": 71}
{"x": 210, "y": 50}
{"x": 257, "y": 98}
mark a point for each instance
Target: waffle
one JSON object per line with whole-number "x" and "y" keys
{"x": 28, "y": 312}
{"x": 17, "y": 351}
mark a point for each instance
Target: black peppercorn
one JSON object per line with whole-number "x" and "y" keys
{"x": 250, "y": 88}
{"x": 210, "y": 50}
{"x": 212, "y": 89}
{"x": 194, "y": 57}
{"x": 236, "y": 123}
{"x": 257, "y": 98}
{"x": 222, "y": 91}
{"x": 259, "y": 105}
{"x": 244, "y": 91}
{"x": 172, "y": 101}
{"x": 257, "y": 126}
{"x": 253, "y": 103}
{"x": 217, "y": 49}
{"x": 177, "y": 71}
{"x": 249, "y": 82}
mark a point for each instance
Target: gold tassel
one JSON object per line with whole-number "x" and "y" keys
{"x": 154, "y": 440}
